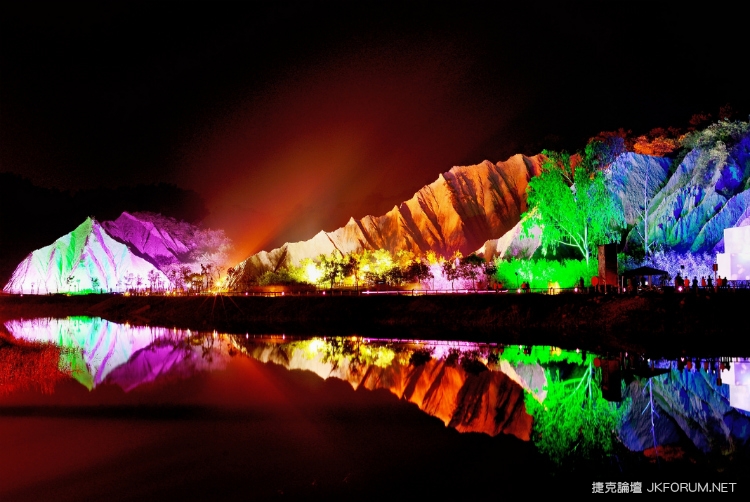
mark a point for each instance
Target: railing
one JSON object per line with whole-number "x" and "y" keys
{"x": 733, "y": 287}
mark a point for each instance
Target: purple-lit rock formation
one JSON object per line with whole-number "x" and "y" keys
{"x": 168, "y": 243}
{"x": 85, "y": 260}
{"x": 163, "y": 246}
{"x": 166, "y": 359}
{"x": 460, "y": 211}
{"x": 707, "y": 193}
{"x": 135, "y": 251}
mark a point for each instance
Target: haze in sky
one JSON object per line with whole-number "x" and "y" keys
{"x": 289, "y": 118}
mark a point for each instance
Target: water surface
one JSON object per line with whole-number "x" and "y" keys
{"x": 90, "y": 407}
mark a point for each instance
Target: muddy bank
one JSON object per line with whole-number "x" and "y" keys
{"x": 660, "y": 325}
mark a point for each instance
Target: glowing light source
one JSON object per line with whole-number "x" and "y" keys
{"x": 313, "y": 273}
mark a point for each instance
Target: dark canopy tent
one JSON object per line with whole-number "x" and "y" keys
{"x": 649, "y": 272}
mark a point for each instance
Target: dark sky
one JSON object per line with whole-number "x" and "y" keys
{"x": 289, "y": 118}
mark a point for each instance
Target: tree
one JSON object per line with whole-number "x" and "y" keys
{"x": 231, "y": 272}
{"x": 470, "y": 268}
{"x": 207, "y": 271}
{"x": 418, "y": 271}
{"x": 394, "y": 276}
{"x": 490, "y": 272}
{"x": 450, "y": 271}
{"x": 352, "y": 267}
{"x": 332, "y": 268}
{"x": 153, "y": 279}
{"x": 570, "y": 202}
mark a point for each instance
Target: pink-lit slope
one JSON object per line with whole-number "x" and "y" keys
{"x": 163, "y": 246}
{"x": 85, "y": 260}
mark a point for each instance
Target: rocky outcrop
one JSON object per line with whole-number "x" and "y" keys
{"x": 460, "y": 211}
{"x": 512, "y": 245}
{"x": 85, "y": 260}
{"x": 149, "y": 239}
{"x": 135, "y": 251}
{"x": 707, "y": 193}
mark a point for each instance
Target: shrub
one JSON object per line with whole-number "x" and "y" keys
{"x": 539, "y": 273}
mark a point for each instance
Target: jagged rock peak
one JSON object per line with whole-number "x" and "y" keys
{"x": 459, "y": 211}
{"x": 86, "y": 259}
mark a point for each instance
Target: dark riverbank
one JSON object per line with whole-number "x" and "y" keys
{"x": 659, "y": 325}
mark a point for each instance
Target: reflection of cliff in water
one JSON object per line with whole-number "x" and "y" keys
{"x": 471, "y": 387}
{"x": 698, "y": 405}
{"x": 450, "y": 381}
{"x": 95, "y": 351}
{"x": 458, "y": 387}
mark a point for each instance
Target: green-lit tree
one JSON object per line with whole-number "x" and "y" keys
{"x": 570, "y": 202}
{"x": 574, "y": 423}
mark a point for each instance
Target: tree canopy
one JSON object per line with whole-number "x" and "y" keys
{"x": 571, "y": 204}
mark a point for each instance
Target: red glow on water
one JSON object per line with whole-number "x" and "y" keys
{"x": 29, "y": 366}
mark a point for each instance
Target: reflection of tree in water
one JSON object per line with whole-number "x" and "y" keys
{"x": 207, "y": 342}
{"x": 471, "y": 362}
{"x": 574, "y": 425}
{"x": 339, "y": 348}
{"x": 420, "y": 357}
{"x": 357, "y": 352}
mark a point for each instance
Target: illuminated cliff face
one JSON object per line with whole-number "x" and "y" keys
{"x": 86, "y": 260}
{"x": 161, "y": 246}
{"x": 689, "y": 209}
{"x": 170, "y": 244}
{"x": 460, "y": 211}
{"x": 134, "y": 252}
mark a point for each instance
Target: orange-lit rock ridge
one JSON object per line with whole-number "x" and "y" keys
{"x": 460, "y": 211}
{"x": 490, "y": 402}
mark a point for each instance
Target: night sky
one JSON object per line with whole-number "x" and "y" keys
{"x": 290, "y": 118}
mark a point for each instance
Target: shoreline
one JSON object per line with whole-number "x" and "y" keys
{"x": 662, "y": 325}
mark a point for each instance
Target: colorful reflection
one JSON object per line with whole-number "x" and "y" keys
{"x": 95, "y": 351}
{"x": 573, "y": 405}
